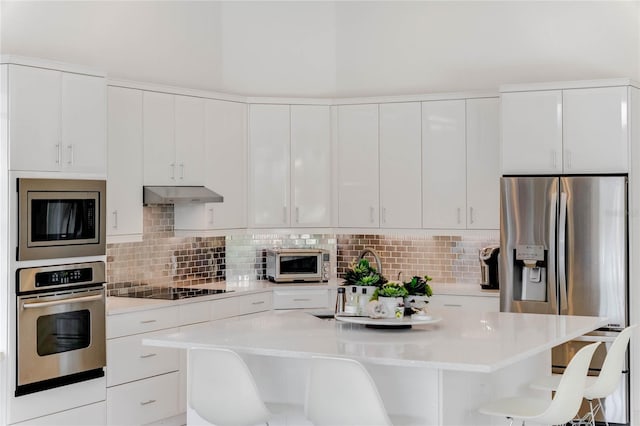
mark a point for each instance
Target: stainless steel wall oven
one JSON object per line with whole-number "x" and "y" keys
{"x": 61, "y": 218}
{"x": 60, "y": 325}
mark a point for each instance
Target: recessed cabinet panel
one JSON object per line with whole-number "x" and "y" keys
{"x": 189, "y": 140}
{"x": 595, "y": 130}
{"x": 483, "y": 164}
{"x": 400, "y": 165}
{"x": 358, "y": 167}
{"x": 532, "y": 132}
{"x": 443, "y": 164}
{"x": 310, "y": 165}
{"x": 124, "y": 176}
{"x": 34, "y": 98}
{"x": 269, "y": 171}
{"x": 159, "y": 130}
{"x": 84, "y": 101}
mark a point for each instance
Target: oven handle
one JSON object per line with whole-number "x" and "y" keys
{"x": 31, "y": 305}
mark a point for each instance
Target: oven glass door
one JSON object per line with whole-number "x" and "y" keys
{"x": 298, "y": 267}
{"x": 60, "y": 334}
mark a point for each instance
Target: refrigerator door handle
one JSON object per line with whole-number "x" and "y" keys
{"x": 562, "y": 264}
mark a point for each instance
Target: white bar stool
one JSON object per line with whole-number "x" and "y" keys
{"x": 565, "y": 403}
{"x": 222, "y": 390}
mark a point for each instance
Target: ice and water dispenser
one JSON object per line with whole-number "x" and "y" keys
{"x": 530, "y": 270}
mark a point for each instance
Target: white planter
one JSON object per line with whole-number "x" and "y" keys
{"x": 390, "y": 305}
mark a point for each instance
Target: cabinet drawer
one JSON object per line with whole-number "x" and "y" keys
{"x": 478, "y": 303}
{"x": 144, "y": 401}
{"x": 87, "y": 415}
{"x": 193, "y": 313}
{"x": 128, "y": 359}
{"x": 224, "y": 308}
{"x": 252, "y": 303}
{"x": 142, "y": 321}
{"x": 297, "y": 299}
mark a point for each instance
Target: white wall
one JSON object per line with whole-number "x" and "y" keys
{"x": 332, "y": 48}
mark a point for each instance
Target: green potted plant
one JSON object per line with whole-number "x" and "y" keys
{"x": 365, "y": 277}
{"x": 418, "y": 293}
{"x": 391, "y": 296}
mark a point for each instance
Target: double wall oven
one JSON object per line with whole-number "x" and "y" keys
{"x": 60, "y": 306}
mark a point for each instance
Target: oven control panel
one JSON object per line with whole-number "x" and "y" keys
{"x": 46, "y": 278}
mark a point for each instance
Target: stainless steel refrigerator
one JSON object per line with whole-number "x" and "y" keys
{"x": 563, "y": 250}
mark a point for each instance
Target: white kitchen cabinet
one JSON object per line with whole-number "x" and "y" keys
{"x": 400, "y": 165}
{"x": 595, "y": 131}
{"x": 483, "y": 163}
{"x": 571, "y": 131}
{"x": 87, "y": 415}
{"x": 310, "y": 166}
{"x": 254, "y": 302}
{"x": 358, "y": 166}
{"x": 295, "y": 298}
{"x": 226, "y": 173}
{"x": 443, "y": 164}
{"x": 59, "y": 115}
{"x": 173, "y": 139}
{"x": 124, "y": 175}
{"x": 464, "y": 303}
{"x": 532, "y": 132}
{"x": 269, "y": 159}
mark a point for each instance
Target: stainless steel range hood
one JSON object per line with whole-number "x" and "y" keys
{"x": 179, "y": 195}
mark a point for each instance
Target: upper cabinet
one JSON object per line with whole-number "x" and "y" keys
{"x": 444, "y": 164}
{"x": 289, "y": 166}
{"x": 400, "y": 165}
{"x": 226, "y": 153}
{"x": 173, "y": 139}
{"x": 358, "y": 166}
{"x": 59, "y": 115}
{"x": 573, "y": 130}
{"x": 124, "y": 175}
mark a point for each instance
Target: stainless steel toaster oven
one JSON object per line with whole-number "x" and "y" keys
{"x": 286, "y": 265}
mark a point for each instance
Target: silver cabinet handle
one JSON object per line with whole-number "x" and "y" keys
{"x": 454, "y": 305}
{"x": 301, "y": 300}
{"x": 569, "y": 159}
{"x": 59, "y": 153}
{"x": 173, "y": 170}
{"x": 471, "y": 215}
{"x": 35, "y": 305}
{"x": 115, "y": 219}
{"x": 284, "y": 214}
{"x": 211, "y": 216}
{"x": 297, "y": 214}
{"x": 459, "y": 215}
{"x": 147, "y": 356}
{"x": 554, "y": 159}
{"x": 258, "y": 303}
{"x": 147, "y": 321}
{"x": 371, "y": 214}
{"x": 384, "y": 215}
{"x": 181, "y": 170}
{"x": 151, "y": 401}
{"x": 70, "y": 148}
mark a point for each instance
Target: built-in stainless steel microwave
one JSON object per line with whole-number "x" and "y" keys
{"x": 297, "y": 265}
{"x": 60, "y": 218}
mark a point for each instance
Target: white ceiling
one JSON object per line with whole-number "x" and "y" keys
{"x": 327, "y": 49}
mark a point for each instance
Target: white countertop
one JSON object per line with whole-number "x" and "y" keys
{"x": 476, "y": 342}
{"x": 119, "y": 305}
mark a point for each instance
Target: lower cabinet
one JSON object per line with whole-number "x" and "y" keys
{"x": 301, "y": 298}
{"x": 144, "y": 401}
{"x": 87, "y": 415}
{"x": 466, "y": 303}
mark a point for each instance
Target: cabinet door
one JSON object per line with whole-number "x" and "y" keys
{"x": 189, "y": 140}
{"x": 595, "y": 132}
{"x": 358, "y": 167}
{"x": 84, "y": 115}
{"x": 34, "y": 119}
{"x": 400, "y": 165}
{"x": 443, "y": 164}
{"x": 532, "y": 132}
{"x": 483, "y": 164}
{"x": 158, "y": 137}
{"x": 269, "y": 165}
{"x": 124, "y": 178}
{"x": 310, "y": 165}
{"x": 226, "y": 148}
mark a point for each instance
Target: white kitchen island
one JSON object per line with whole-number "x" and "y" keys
{"x": 435, "y": 374}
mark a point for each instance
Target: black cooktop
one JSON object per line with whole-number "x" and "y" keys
{"x": 169, "y": 293}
